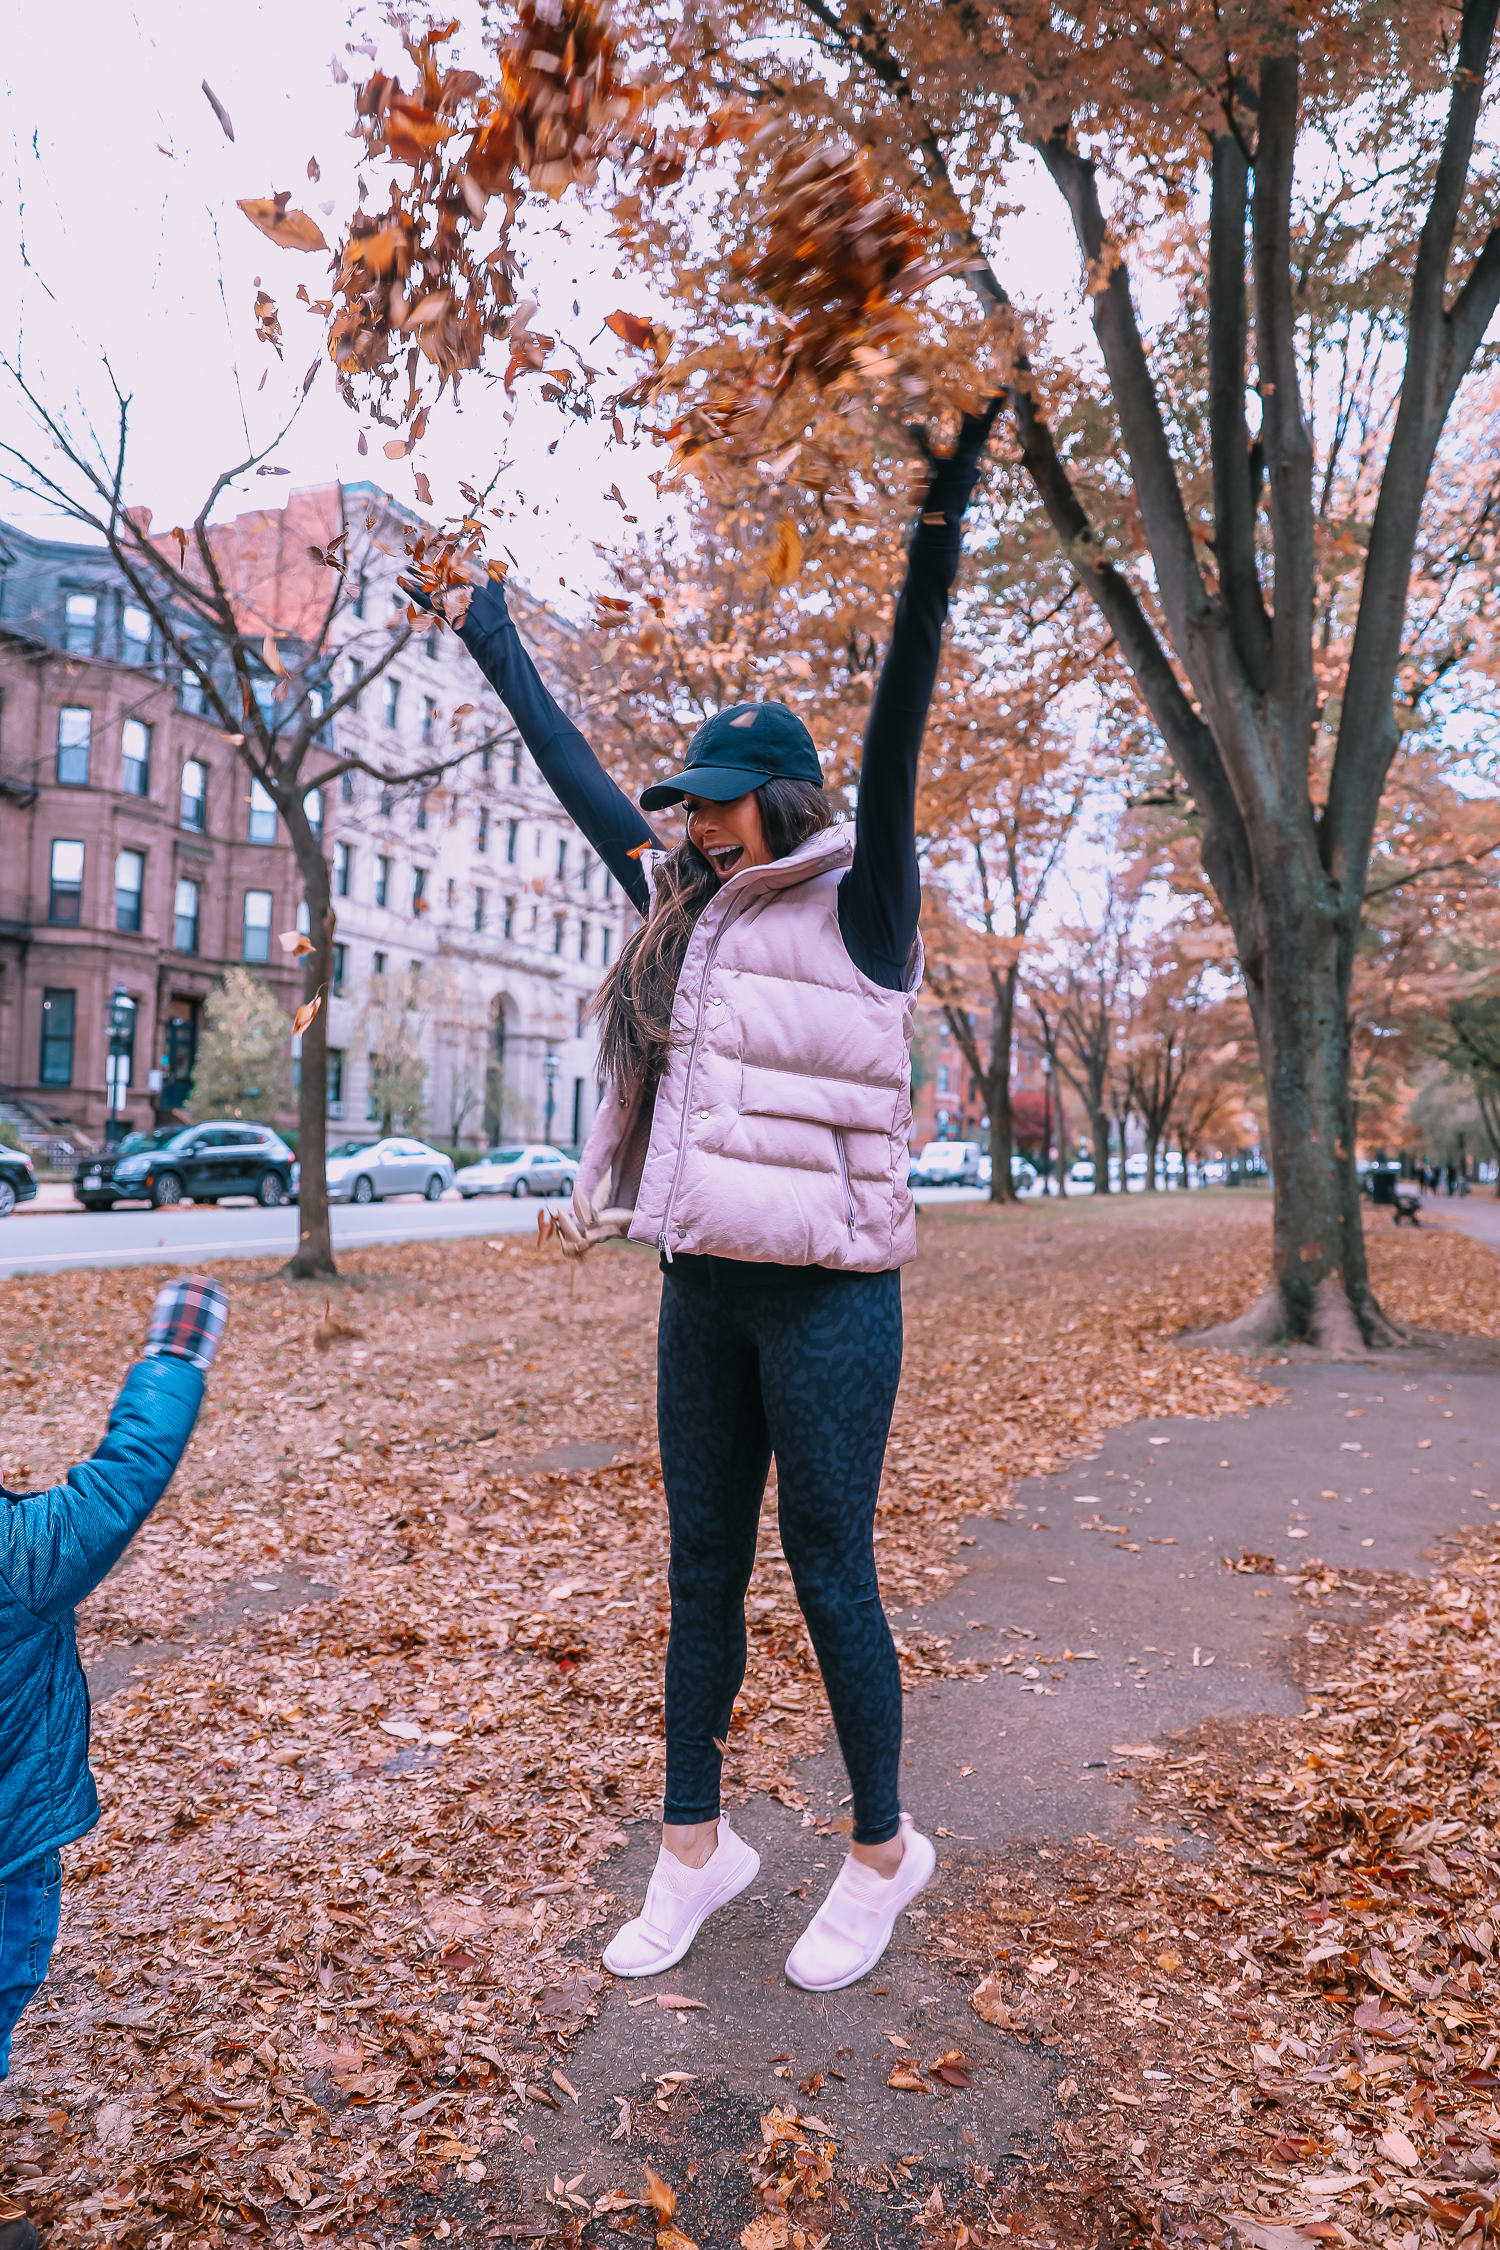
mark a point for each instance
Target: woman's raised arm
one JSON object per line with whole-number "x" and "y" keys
{"x": 580, "y": 784}
{"x": 881, "y": 896}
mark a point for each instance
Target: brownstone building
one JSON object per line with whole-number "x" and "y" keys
{"x": 136, "y": 858}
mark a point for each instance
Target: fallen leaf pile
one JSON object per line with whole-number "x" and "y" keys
{"x": 1296, "y": 2037}
{"x": 378, "y": 1682}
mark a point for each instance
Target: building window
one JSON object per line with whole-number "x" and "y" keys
{"x": 382, "y": 882}
{"x": 312, "y": 805}
{"x": 357, "y": 606}
{"x": 577, "y": 1111}
{"x": 452, "y": 892}
{"x": 65, "y": 901}
{"x": 82, "y": 617}
{"x": 484, "y": 828}
{"x": 392, "y": 701}
{"x": 580, "y": 1014}
{"x": 262, "y": 814}
{"x": 583, "y": 941}
{"x": 515, "y": 767}
{"x": 604, "y": 949}
{"x": 562, "y": 857}
{"x": 429, "y": 715}
{"x": 190, "y": 691}
{"x": 135, "y": 624}
{"x": 558, "y": 928}
{"x": 356, "y": 681}
{"x": 74, "y": 725}
{"x": 185, "y": 918}
{"x": 434, "y": 634}
{"x": 340, "y": 964}
{"x": 484, "y": 761}
{"x": 257, "y": 926}
{"x": 130, "y": 876}
{"x": 194, "y": 796}
{"x": 609, "y": 886}
{"x": 386, "y": 802}
{"x": 422, "y": 815}
{"x": 58, "y": 1010}
{"x": 346, "y": 788}
{"x": 379, "y": 967}
{"x": 335, "y": 1078}
{"x": 536, "y": 844}
{"x": 479, "y": 906}
{"x": 135, "y": 746}
{"x": 512, "y": 837}
{"x": 341, "y": 870}
{"x": 419, "y": 891}
{"x": 943, "y": 1086}
{"x": 510, "y": 917}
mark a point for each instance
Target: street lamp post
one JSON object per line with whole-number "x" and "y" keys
{"x": 550, "y": 1067}
{"x": 1046, "y": 1124}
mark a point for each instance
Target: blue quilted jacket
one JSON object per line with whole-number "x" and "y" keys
{"x": 55, "y": 1547}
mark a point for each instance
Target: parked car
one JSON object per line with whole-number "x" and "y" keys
{"x": 17, "y": 1179}
{"x": 534, "y": 1170}
{"x": 1080, "y": 1175}
{"x": 206, "y": 1162}
{"x": 368, "y": 1171}
{"x": 1022, "y": 1174}
{"x": 945, "y": 1164}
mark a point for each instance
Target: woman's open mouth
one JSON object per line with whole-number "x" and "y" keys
{"x": 726, "y": 859}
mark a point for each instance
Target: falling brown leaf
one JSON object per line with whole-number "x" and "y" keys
{"x": 785, "y": 558}
{"x": 306, "y": 1012}
{"x": 424, "y": 489}
{"x": 291, "y": 230}
{"x": 272, "y": 655}
{"x": 662, "y": 2199}
{"x": 313, "y": 172}
{"x": 219, "y": 110}
{"x": 293, "y": 941}
{"x": 267, "y": 322}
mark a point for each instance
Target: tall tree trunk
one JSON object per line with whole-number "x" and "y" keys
{"x": 1099, "y": 1128}
{"x": 997, "y": 1091}
{"x": 1153, "y": 1146}
{"x": 1298, "y": 965}
{"x": 313, "y": 1259}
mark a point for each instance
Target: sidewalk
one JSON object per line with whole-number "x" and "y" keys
{"x": 1477, "y": 1215}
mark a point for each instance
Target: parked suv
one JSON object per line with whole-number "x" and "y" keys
{"x": 946, "y": 1164}
{"x": 17, "y": 1179}
{"x": 201, "y": 1161}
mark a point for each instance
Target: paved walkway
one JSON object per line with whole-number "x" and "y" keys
{"x": 1121, "y": 1561}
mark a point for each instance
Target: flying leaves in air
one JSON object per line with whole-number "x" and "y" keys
{"x": 642, "y": 335}
{"x": 290, "y": 230}
{"x": 306, "y": 1012}
{"x": 267, "y": 321}
{"x": 293, "y": 942}
{"x": 424, "y": 489}
{"x": 219, "y": 111}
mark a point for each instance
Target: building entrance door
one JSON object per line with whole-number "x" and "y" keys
{"x": 179, "y": 1053}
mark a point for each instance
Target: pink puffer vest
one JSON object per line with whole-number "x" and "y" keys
{"x": 781, "y": 1123}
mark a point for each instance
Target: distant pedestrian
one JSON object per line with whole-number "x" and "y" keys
{"x": 756, "y": 1039}
{"x": 55, "y": 1547}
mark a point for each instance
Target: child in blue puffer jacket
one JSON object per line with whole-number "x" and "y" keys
{"x": 55, "y": 1547}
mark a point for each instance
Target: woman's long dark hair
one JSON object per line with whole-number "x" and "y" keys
{"x": 633, "y": 1006}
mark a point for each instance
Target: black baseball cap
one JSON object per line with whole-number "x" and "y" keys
{"x": 735, "y": 751}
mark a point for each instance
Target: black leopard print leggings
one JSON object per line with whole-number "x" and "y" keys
{"x": 805, "y": 1368}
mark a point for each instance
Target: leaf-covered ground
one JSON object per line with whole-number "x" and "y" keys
{"x": 344, "y": 1906}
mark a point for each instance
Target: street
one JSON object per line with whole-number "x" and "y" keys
{"x": 50, "y": 1236}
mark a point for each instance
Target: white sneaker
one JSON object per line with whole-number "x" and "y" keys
{"x": 853, "y": 1926}
{"x": 679, "y": 1900}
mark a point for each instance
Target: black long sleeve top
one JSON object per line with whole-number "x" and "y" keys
{"x": 880, "y": 897}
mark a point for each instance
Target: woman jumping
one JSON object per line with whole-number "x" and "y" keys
{"x": 755, "y": 1039}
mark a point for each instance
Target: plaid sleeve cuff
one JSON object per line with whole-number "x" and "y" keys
{"x": 187, "y": 1321}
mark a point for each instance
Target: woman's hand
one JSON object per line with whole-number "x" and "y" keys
{"x": 579, "y": 1233}
{"x": 955, "y": 474}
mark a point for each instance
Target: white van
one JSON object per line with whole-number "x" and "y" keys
{"x": 946, "y": 1164}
